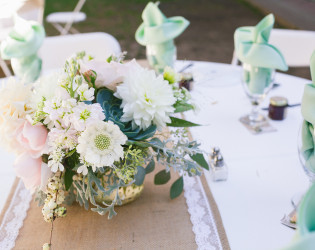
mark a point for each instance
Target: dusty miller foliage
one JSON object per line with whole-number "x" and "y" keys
{"x": 90, "y": 186}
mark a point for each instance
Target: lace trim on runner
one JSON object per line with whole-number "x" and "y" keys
{"x": 204, "y": 227}
{"x": 14, "y": 217}
{"x": 201, "y": 217}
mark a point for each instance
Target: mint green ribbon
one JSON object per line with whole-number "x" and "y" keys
{"x": 157, "y": 32}
{"x": 305, "y": 239}
{"x": 21, "y": 47}
{"x": 252, "y": 47}
{"x": 308, "y": 113}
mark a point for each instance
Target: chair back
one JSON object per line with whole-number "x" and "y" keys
{"x": 296, "y": 46}
{"x": 55, "y": 50}
{"x": 79, "y": 6}
{"x": 33, "y": 10}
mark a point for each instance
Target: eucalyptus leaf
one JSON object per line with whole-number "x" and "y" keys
{"x": 139, "y": 177}
{"x": 199, "y": 158}
{"x": 162, "y": 177}
{"x": 182, "y": 107}
{"x": 176, "y": 122}
{"x": 177, "y": 188}
{"x": 150, "y": 167}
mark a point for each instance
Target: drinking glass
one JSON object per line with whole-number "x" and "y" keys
{"x": 257, "y": 82}
{"x": 307, "y": 165}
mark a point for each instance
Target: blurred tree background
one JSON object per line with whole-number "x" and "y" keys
{"x": 209, "y": 36}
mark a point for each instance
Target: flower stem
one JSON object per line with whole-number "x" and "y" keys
{"x": 51, "y": 233}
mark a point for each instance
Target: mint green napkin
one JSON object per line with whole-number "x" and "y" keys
{"x": 157, "y": 32}
{"x": 308, "y": 113}
{"x": 21, "y": 47}
{"x": 252, "y": 47}
{"x": 305, "y": 239}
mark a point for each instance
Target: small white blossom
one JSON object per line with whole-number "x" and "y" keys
{"x": 55, "y": 159}
{"x": 85, "y": 115}
{"x": 46, "y": 246}
{"x": 171, "y": 75}
{"x": 85, "y": 93}
{"x": 52, "y": 204}
{"x": 83, "y": 169}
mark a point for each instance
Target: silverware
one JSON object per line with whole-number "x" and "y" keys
{"x": 185, "y": 67}
{"x": 288, "y": 106}
{"x": 275, "y": 85}
{"x": 287, "y": 220}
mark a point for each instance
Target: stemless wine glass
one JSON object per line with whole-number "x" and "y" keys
{"x": 304, "y": 155}
{"x": 257, "y": 82}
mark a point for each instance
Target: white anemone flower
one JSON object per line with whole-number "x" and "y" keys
{"x": 100, "y": 144}
{"x": 146, "y": 99}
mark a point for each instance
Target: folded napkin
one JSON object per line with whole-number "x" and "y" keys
{"x": 158, "y": 32}
{"x": 308, "y": 113}
{"x": 305, "y": 238}
{"x": 252, "y": 47}
{"x": 21, "y": 47}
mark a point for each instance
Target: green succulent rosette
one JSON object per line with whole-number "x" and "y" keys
{"x": 252, "y": 47}
{"x": 158, "y": 32}
{"x": 21, "y": 48}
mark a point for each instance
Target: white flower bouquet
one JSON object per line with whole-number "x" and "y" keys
{"x": 94, "y": 129}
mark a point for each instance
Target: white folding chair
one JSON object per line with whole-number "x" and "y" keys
{"x": 67, "y": 19}
{"x": 296, "y": 46}
{"x": 27, "y": 9}
{"x": 56, "y": 49}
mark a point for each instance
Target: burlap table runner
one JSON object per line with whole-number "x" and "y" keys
{"x": 154, "y": 221}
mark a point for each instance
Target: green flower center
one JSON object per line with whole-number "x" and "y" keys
{"x": 147, "y": 99}
{"x": 85, "y": 115}
{"x": 102, "y": 142}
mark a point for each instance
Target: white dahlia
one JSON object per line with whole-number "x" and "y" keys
{"x": 146, "y": 99}
{"x": 100, "y": 144}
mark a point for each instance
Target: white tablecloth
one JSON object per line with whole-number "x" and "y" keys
{"x": 264, "y": 170}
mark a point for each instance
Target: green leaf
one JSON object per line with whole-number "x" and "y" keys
{"x": 177, "y": 188}
{"x": 145, "y": 134}
{"x": 68, "y": 178}
{"x": 73, "y": 160}
{"x": 70, "y": 153}
{"x": 142, "y": 144}
{"x": 182, "y": 107}
{"x": 162, "y": 177}
{"x": 199, "y": 158}
{"x": 154, "y": 143}
{"x": 139, "y": 177}
{"x": 176, "y": 122}
{"x": 150, "y": 167}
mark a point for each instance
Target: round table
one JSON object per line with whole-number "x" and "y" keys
{"x": 264, "y": 169}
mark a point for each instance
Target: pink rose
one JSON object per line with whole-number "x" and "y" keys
{"x": 32, "y": 138}
{"x": 29, "y": 170}
{"x": 109, "y": 75}
{"x": 32, "y": 171}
